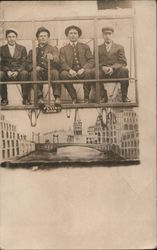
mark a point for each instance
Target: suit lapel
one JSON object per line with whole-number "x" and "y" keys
{"x": 16, "y": 51}
{"x": 80, "y": 52}
{"x": 70, "y": 54}
{"x": 7, "y": 51}
{"x": 112, "y": 48}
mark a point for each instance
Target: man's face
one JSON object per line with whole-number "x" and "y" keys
{"x": 73, "y": 35}
{"x": 43, "y": 38}
{"x": 11, "y": 38}
{"x": 107, "y": 36}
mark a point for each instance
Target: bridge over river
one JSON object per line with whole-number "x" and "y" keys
{"x": 54, "y": 146}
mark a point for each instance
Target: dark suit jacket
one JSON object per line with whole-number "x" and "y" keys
{"x": 85, "y": 56}
{"x": 114, "y": 58}
{"x": 41, "y": 57}
{"x": 15, "y": 63}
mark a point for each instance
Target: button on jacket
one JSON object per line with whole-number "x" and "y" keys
{"x": 41, "y": 57}
{"x": 84, "y": 53}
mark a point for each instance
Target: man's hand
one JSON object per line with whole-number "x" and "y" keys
{"x": 14, "y": 74}
{"x": 107, "y": 70}
{"x": 72, "y": 72}
{"x": 80, "y": 71}
{"x": 38, "y": 68}
{"x": 49, "y": 56}
{"x": 9, "y": 73}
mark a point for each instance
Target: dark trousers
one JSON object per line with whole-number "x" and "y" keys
{"x": 69, "y": 86}
{"x": 43, "y": 76}
{"x": 87, "y": 86}
{"x": 119, "y": 73}
{"x": 22, "y": 76}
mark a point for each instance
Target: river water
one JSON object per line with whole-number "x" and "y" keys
{"x": 70, "y": 153}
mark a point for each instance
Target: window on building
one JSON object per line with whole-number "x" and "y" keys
{"x": 132, "y": 144}
{"x": 132, "y": 136}
{"x": 18, "y": 136}
{"x": 114, "y": 132}
{"x": 10, "y": 134}
{"x": 128, "y": 136}
{"x": 17, "y": 150}
{"x": 131, "y": 127}
{"x": 12, "y": 142}
{"x": 10, "y": 127}
{"x": 135, "y": 143}
{"x": 1, "y": 125}
{"x": 8, "y": 143}
{"x": 135, "y": 126}
{"x": 8, "y": 151}
{"x": 125, "y": 127}
{"x": 2, "y": 133}
{"x": 13, "y": 152}
{"x": 122, "y": 144}
{"x": 3, "y": 143}
{"x": 17, "y": 143}
{"x": 7, "y": 134}
{"x": 128, "y": 144}
{"x": 3, "y": 154}
{"x": 125, "y": 144}
{"x": 13, "y": 135}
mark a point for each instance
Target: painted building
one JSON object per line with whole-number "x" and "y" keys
{"x": 59, "y": 136}
{"x": 119, "y": 133}
{"x": 12, "y": 143}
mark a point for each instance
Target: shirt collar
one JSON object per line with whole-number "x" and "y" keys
{"x": 42, "y": 46}
{"x": 11, "y": 46}
{"x": 108, "y": 44}
{"x": 71, "y": 43}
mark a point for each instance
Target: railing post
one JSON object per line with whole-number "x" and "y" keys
{"x": 49, "y": 78}
{"x": 135, "y": 61}
{"x": 34, "y": 63}
{"x": 96, "y": 61}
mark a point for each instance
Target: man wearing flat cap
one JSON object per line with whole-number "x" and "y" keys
{"x": 12, "y": 66}
{"x": 76, "y": 62}
{"x": 112, "y": 61}
{"x": 44, "y": 50}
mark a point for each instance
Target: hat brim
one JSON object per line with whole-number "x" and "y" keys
{"x": 73, "y": 27}
{"x": 44, "y": 30}
{"x": 11, "y": 31}
{"x": 105, "y": 30}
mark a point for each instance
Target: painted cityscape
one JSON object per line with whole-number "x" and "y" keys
{"x": 112, "y": 137}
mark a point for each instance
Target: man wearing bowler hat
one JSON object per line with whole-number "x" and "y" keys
{"x": 12, "y": 66}
{"x": 76, "y": 62}
{"x": 44, "y": 50}
{"x": 112, "y": 61}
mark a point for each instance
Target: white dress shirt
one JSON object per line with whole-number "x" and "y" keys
{"x": 108, "y": 46}
{"x": 73, "y": 44}
{"x": 11, "y": 49}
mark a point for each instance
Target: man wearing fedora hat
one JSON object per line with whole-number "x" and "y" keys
{"x": 112, "y": 61}
{"x": 44, "y": 50}
{"x": 12, "y": 66}
{"x": 76, "y": 62}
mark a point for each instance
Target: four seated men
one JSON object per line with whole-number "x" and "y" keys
{"x": 75, "y": 61}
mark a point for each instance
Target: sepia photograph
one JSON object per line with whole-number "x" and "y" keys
{"x": 77, "y": 121}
